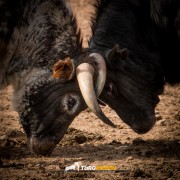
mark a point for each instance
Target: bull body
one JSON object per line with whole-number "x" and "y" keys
{"x": 34, "y": 34}
{"x": 140, "y": 43}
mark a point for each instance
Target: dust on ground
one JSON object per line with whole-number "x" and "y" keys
{"x": 155, "y": 155}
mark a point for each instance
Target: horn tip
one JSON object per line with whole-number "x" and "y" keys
{"x": 105, "y": 119}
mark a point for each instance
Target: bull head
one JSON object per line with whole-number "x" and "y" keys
{"x": 132, "y": 87}
{"x": 50, "y": 103}
{"x": 64, "y": 70}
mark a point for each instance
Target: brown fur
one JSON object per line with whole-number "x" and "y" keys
{"x": 63, "y": 69}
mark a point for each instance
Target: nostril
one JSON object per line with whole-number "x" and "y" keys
{"x": 47, "y": 152}
{"x": 140, "y": 131}
{"x": 42, "y": 150}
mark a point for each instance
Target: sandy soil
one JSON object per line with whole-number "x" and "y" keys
{"x": 155, "y": 155}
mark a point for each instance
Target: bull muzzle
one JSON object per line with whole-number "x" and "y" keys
{"x": 41, "y": 147}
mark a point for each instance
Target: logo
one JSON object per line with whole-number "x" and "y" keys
{"x": 77, "y": 166}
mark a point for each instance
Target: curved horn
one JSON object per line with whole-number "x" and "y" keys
{"x": 85, "y": 79}
{"x": 101, "y": 76}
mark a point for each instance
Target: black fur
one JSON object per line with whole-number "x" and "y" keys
{"x": 34, "y": 35}
{"x": 148, "y": 31}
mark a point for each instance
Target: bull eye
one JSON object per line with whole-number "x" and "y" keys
{"x": 71, "y": 103}
{"x": 111, "y": 90}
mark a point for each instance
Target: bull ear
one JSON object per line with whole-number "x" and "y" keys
{"x": 117, "y": 51}
{"x": 63, "y": 69}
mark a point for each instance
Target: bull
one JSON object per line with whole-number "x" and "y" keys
{"x": 140, "y": 43}
{"x": 34, "y": 34}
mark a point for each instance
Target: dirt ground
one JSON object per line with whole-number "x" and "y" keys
{"x": 155, "y": 155}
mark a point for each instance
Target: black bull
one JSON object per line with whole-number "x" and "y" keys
{"x": 138, "y": 40}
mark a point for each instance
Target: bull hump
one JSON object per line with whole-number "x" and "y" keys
{"x": 43, "y": 33}
{"x": 9, "y": 15}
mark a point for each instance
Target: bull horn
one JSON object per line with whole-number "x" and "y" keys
{"x": 85, "y": 74}
{"x": 101, "y": 76}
